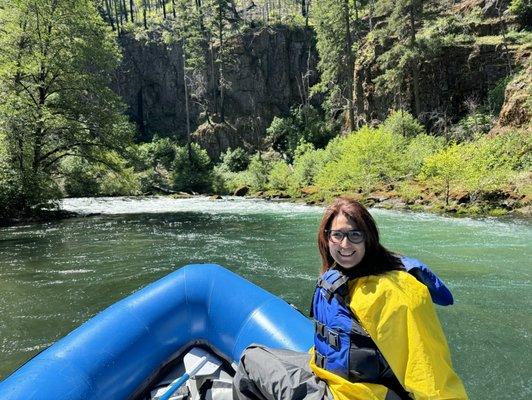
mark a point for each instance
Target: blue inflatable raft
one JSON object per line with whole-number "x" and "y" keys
{"x": 120, "y": 353}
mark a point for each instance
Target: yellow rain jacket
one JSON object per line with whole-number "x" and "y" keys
{"x": 396, "y": 310}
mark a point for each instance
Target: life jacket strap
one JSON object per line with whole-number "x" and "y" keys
{"x": 332, "y": 337}
{"x": 319, "y": 359}
{"x": 331, "y": 288}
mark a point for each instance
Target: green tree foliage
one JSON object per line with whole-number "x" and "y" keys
{"x": 334, "y": 31}
{"x": 258, "y": 170}
{"x": 56, "y": 62}
{"x": 304, "y": 124}
{"x": 403, "y": 55}
{"x": 523, "y": 10}
{"x": 192, "y": 170}
{"x": 368, "y": 157}
{"x": 235, "y": 160}
{"x": 307, "y": 164}
{"x": 83, "y": 178}
{"x": 444, "y": 170}
{"x": 401, "y": 122}
{"x": 418, "y": 149}
{"x": 279, "y": 176}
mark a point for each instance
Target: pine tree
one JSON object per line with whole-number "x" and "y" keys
{"x": 336, "y": 27}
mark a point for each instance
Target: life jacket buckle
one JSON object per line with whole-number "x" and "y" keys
{"x": 334, "y": 339}
{"x": 320, "y": 328}
{"x": 319, "y": 359}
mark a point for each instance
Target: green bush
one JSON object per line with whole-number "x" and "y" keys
{"x": 402, "y": 123}
{"x": 191, "y": 172}
{"x": 259, "y": 168}
{"x": 160, "y": 152}
{"x": 418, "y": 149}
{"x": 81, "y": 178}
{"x": 279, "y": 176}
{"x": 304, "y": 124}
{"x": 307, "y": 164}
{"x": 496, "y": 95}
{"x": 472, "y": 127}
{"x": 368, "y": 157}
{"x": 87, "y": 179}
{"x": 234, "y": 160}
{"x": 444, "y": 170}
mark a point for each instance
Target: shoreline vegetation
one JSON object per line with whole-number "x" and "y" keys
{"x": 395, "y": 165}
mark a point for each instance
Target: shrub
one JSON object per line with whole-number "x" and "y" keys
{"x": 235, "y": 160}
{"x": 81, "y": 179}
{"x": 368, "y": 157}
{"x": 160, "y": 152}
{"x": 279, "y": 176}
{"x": 401, "y": 122}
{"x": 418, "y": 149}
{"x": 496, "y": 95}
{"x": 84, "y": 178}
{"x": 307, "y": 164}
{"x": 444, "y": 169}
{"x": 258, "y": 170}
{"x": 303, "y": 124}
{"x": 191, "y": 171}
{"x": 472, "y": 126}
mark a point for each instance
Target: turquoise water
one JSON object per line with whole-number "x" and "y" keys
{"x": 54, "y": 276}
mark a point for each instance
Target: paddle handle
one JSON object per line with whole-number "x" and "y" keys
{"x": 179, "y": 381}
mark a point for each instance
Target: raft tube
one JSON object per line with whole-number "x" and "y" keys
{"x": 116, "y": 354}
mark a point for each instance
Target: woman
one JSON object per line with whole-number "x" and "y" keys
{"x": 377, "y": 333}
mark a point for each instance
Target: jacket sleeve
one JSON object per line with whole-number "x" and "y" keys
{"x": 397, "y": 312}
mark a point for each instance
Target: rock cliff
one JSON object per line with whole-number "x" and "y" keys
{"x": 271, "y": 71}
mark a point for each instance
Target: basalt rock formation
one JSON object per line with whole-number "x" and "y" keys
{"x": 270, "y": 71}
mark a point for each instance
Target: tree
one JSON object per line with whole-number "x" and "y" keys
{"x": 335, "y": 40}
{"x": 444, "y": 169}
{"x": 55, "y": 101}
{"x": 400, "y": 62}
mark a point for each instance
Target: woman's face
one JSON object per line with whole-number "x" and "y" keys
{"x": 345, "y": 252}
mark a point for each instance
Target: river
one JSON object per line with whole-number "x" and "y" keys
{"x": 56, "y": 275}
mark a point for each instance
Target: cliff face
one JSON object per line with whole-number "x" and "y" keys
{"x": 269, "y": 71}
{"x": 449, "y": 84}
{"x": 150, "y": 80}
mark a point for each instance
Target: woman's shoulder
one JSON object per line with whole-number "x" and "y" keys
{"x": 393, "y": 288}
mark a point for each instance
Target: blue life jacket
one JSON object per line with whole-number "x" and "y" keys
{"x": 341, "y": 345}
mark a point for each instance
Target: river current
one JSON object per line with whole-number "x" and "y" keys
{"x": 56, "y": 275}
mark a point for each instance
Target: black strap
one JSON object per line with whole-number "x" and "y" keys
{"x": 332, "y": 337}
{"x": 331, "y": 289}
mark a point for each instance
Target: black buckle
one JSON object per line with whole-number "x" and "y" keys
{"x": 319, "y": 359}
{"x": 320, "y": 328}
{"x": 334, "y": 339}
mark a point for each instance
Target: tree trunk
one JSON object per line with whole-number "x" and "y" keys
{"x": 110, "y": 14}
{"x": 124, "y": 10}
{"x": 221, "y": 60}
{"x": 350, "y": 62}
{"x": 415, "y": 65}
{"x": 187, "y": 110}
{"x": 132, "y": 9}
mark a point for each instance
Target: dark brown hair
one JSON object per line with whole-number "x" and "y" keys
{"x": 377, "y": 259}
